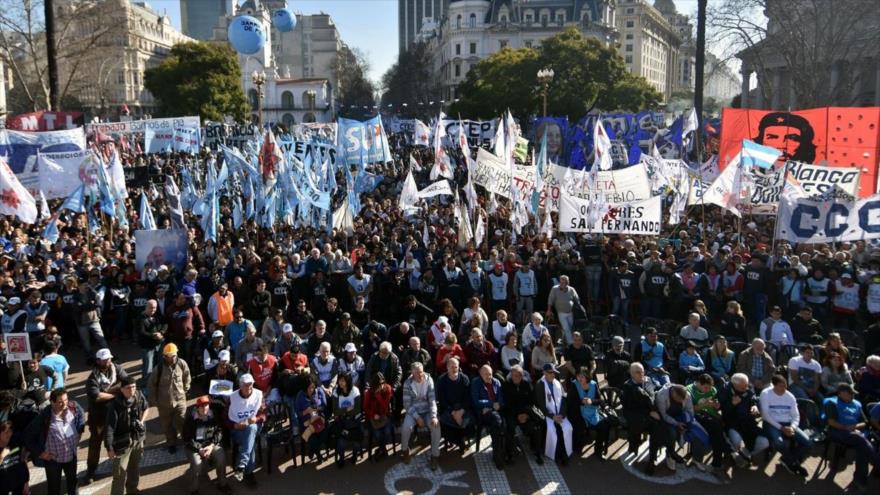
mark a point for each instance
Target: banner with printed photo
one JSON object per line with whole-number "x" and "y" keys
{"x": 836, "y": 136}
{"x": 637, "y": 218}
{"x": 362, "y": 141}
{"x": 18, "y": 347}
{"x": 161, "y": 247}
{"x": 821, "y": 221}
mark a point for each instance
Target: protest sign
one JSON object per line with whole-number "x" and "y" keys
{"x": 324, "y": 132}
{"x": 59, "y": 174}
{"x": 435, "y": 189}
{"x": 362, "y": 142}
{"x": 318, "y": 152}
{"x": 478, "y": 133}
{"x": 44, "y": 121}
{"x": 813, "y": 179}
{"x": 237, "y": 135}
{"x": 161, "y": 247}
{"x": 131, "y": 126}
{"x": 821, "y": 220}
{"x": 638, "y": 218}
{"x": 18, "y": 347}
{"x": 492, "y": 173}
{"x": 838, "y": 136}
{"x": 20, "y": 150}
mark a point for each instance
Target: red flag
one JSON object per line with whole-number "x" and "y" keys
{"x": 270, "y": 156}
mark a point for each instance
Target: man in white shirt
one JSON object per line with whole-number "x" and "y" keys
{"x": 693, "y": 330}
{"x": 562, "y": 298}
{"x": 245, "y": 409}
{"x": 774, "y": 330}
{"x": 781, "y": 418}
{"x": 804, "y": 372}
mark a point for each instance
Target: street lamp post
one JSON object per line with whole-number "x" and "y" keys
{"x": 545, "y": 76}
{"x": 259, "y": 79}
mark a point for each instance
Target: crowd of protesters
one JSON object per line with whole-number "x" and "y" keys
{"x": 710, "y": 335}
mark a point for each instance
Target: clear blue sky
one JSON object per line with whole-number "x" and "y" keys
{"x": 369, "y": 25}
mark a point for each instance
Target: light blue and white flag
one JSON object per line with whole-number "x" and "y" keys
{"x": 757, "y": 155}
{"x": 145, "y": 215}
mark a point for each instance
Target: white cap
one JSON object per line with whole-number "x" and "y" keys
{"x": 14, "y": 300}
{"x": 350, "y": 347}
{"x": 223, "y": 355}
{"x": 162, "y": 267}
{"x": 442, "y": 321}
{"x": 217, "y": 333}
{"x": 103, "y": 354}
{"x": 51, "y": 278}
{"x": 246, "y": 378}
{"x": 287, "y": 328}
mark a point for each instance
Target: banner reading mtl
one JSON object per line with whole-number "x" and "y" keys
{"x": 840, "y": 137}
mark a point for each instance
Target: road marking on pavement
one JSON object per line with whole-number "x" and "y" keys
{"x": 492, "y": 479}
{"x": 418, "y": 468}
{"x": 549, "y": 477}
{"x": 681, "y": 475}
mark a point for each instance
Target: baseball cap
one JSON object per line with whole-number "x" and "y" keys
{"x": 617, "y": 339}
{"x": 14, "y": 300}
{"x": 345, "y": 316}
{"x": 217, "y": 334}
{"x": 287, "y": 328}
{"x": 103, "y": 354}
{"x": 846, "y": 275}
{"x": 204, "y": 399}
{"x": 51, "y": 278}
{"x": 223, "y": 355}
{"x": 350, "y": 347}
{"x": 550, "y": 367}
{"x": 246, "y": 378}
{"x": 163, "y": 268}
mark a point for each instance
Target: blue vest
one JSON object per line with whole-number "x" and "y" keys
{"x": 653, "y": 357}
{"x": 848, "y": 413}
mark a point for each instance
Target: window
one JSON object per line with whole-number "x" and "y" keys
{"x": 458, "y": 48}
{"x": 473, "y": 49}
{"x": 629, "y": 59}
{"x": 288, "y": 120}
{"x": 502, "y": 44}
{"x": 629, "y": 48}
{"x": 629, "y": 36}
{"x": 287, "y": 100}
{"x": 458, "y": 22}
{"x": 472, "y": 23}
{"x": 630, "y": 24}
{"x": 502, "y": 18}
{"x": 545, "y": 19}
{"x": 528, "y": 17}
{"x": 630, "y": 10}
{"x": 457, "y": 70}
{"x": 528, "y": 43}
{"x": 308, "y": 99}
{"x": 254, "y": 98}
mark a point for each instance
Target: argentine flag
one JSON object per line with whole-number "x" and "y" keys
{"x": 758, "y": 155}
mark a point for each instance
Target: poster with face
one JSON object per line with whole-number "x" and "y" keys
{"x": 836, "y": 136}
{"x": 18, "y": 347}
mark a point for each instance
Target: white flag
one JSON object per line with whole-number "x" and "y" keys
{"x": 601, "y": 147}
{"x": 409, "y": 196}
{"x": 117, "y": 176}
{"x": 480, "y": 231}
{"x": 442, "y": 166}
{"x": 421, "y": 134}
{"x": 44, "y": 207}
{"x": 729, "y": 189}
{"x": 690, "y": 125}
{"x": 14, "y": 198}
{"x": 425, "y": 237}
{"x": 499, "y": 145}
{"x": 435, "y": 189}
{"x": 465, "y": 232}
{"x": 413, "y": 164}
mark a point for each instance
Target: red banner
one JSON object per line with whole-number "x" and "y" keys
{"x": 838, "y": 136}
{"x": 45, "y": 121}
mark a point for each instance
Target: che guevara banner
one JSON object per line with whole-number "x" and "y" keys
{"x": 638, "y": 218}
{"x": 838, "y": 136}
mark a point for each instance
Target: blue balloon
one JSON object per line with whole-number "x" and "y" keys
{"x": 284, "y": 20}
{"x": 246, "y": 35}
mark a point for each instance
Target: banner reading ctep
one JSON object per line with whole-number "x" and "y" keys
{"x": 838, "y": 136}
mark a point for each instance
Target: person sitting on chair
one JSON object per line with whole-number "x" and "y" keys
{"x": 487, "y": 402}
{"x": 550, "y": 398}
{"x": 588, "y": 395}
{"x": 453, "y": 402}
{"x": 377, "y": 410}
{"x": 846, "y": 425}
{"x": 346, "y": 402}
{"x": 520, "y": 410}
{"x": 420, "y": 409}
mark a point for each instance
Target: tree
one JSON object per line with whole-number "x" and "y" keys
{"x": 83, "y": 29}
{"x": 355, "y": 94}
{"x": 198, "y": 79}
{"x": 588, "y": 75}
{"x": 802, "y": 40}
{"x": 410, "y": 81}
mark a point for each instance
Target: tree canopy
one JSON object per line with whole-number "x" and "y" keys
{"x": 410, "y": 81}
{"x": 355, "y": 98}
{"x": 198, "y": 79}
{"x": 588, "y": 75}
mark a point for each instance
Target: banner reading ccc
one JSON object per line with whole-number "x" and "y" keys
{"x": 637, "y": 218}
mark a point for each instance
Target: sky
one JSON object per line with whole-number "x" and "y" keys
{"x": 369, "y": 25}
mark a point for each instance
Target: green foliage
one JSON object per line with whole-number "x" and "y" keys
{"x": 355, "y": 91}
{"x": 198, "y": 79}
{"x": 587, "y": 76}
{"x": 410, "y": 81}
